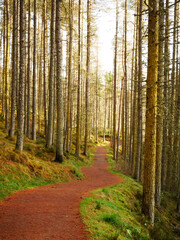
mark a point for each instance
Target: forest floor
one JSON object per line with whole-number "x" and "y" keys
{"x": 52, "y": 212}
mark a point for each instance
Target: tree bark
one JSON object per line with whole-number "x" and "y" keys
{"x": 59, "y": 139}
{"x": 150, "y": 133}
{"x": 13, "y": 86}
{"x": 34, "y": 78}
{"x": 51, "y": 78}
{"x": 79, "y": 84}
{"x": 115, "y": 80}
{"x": 159, "y": 127}
{"x": 87, "y": 78}
{"x": 20, "y": 130}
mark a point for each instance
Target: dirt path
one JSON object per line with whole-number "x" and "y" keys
{"x": 52, "y": 212}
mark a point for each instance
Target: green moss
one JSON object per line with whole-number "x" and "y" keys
{"x": 115, "y": 212}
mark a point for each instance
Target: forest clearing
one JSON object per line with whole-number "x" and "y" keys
{"x": 89, "y": 119}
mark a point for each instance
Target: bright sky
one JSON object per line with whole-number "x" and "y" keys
{"x": 106, "y": 23}
{"x": 106, "y": 32}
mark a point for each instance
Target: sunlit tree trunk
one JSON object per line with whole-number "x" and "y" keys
{"x": 131, "y": 106}
{"x": 171, "y": 113}
{"x": 125, "y": 87}
{"x": 6, "y": 105}
{"x": 139, "y": 102}
{"x": 159, "y": 127}
{"x": 115, "y": 81}
{"x": 59, "y": 139}
{"x": 79, "y": 83}
{"x": 150, "y": 133}
{"x": 87, "y": 78}
{"x": 44, "y": 66}
{"x": 69, "y": 100}
{"x": 34, "y": 78}
{"x": 20, "y": 129}
{"x": 166, "y": 80}
{"x": 135, "y": 114}
{"x": 51, "y": 77}
{"x": 40, "y": 88}
{"x": 13, "y": 85}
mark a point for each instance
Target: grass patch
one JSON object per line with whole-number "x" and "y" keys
{"x": 115, "y": 213}
{"x": 35, "y": 166}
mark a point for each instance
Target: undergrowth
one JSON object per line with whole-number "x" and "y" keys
{"x": 35, "y": 166}
{"x": 114, "y": 213}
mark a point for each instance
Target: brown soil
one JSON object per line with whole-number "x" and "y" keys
{"x": 52, "y": 212}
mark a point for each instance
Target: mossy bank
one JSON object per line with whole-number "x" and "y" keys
{"x": 35, "y": 166}
{"x": 115, "y": 213}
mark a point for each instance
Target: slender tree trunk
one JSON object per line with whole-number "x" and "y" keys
{"x": 29, "y": 73}
{"x": 139, "y": 103}
{"x": 176, "y": 139}
{"x": 59, "y": 139}
{"x": 40, "y": 89}
{"x": 87, "y": 78}
{"x": 166, "y": 79}
{"x": 44, "y": 73}
{"x": 150, "y": 135}
{"x": 69, "y": 100}
{"x": 119, "y": 120}
{"x": 115, "y": 80}
{"x": 171, "y": 114}
{"x": 125, "y": 86}
{"x": 79, "y": 83}
{"x": 7, "y": 68}
{"x": 135, "y": 114}
{"x": 34, "y": 78}
{"x": 51, "y": 78}
{"x": 20, "y": 129}
{"x": 159, "y": 127}
{"x": 131, "y": 106}
{"x": 13, "y": 90}
{"x": 4, "y": 57}
{"x": 96, "y": 132}
{"x": 105, "y": 113}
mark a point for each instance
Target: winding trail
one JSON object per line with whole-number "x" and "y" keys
{"x": 52, "y": 212}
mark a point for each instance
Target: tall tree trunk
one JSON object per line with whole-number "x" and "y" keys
{"x": 176, "y": 140}
{"x": 20, "y": 129}
{"x": 79, "y": 83}
{"x": 6, "y": 105}
{"x": 131, "y": 106}
{"x": 40, "y": 89}
{"x": 115, "y": 80}
{"x": 87, "y": 78}
{"x": 125, "y": 86}
{"x": 171, "y": 113}
{"x": 44, "y": 66}
{"x": 59, "y": 139}
{"x": 51, "y": 78}
{"x": 4, "y": 57}
{"x": 29, "y": 73}
{"x": 34, "y": 78}
{"x": 105, "y": 113}
{"x": 139, "y": 103}
{"x": 166, "y": 80}
{"x": 135, "y": 114}
{"x": 159, "y": 127}
{"x": 13, "y": 90}
{"x": 150, "y": 134}
{"x": 69, "y": 100}
{"x": 96, "y": 132}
